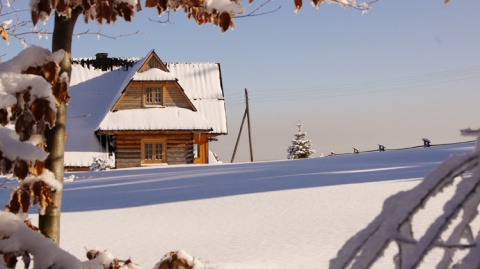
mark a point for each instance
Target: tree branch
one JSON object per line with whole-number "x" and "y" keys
{"x": 99, "y": 33}
{"x": 254, "y": 12}
{"x": 165, "y": 21}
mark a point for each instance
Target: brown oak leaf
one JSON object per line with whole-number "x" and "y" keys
{"x": 4, "y": 117}
{"x": 225, "y": 21}
{"x": 25, "y": 200}
{"x": 298, "y": 5}
{"x": 6, "y": 165}
{"x": 49, "y": 71}
{"x": 316, "y": 3}
{"x": 4, "y": 34}
{"x": 151, "y": 3}
{"x": 60, "y": 91}
{"x": 14, "y": 203}
{"x": 20, "y": 169}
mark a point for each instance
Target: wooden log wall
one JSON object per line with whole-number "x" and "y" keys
{"x": 179, "y": 147}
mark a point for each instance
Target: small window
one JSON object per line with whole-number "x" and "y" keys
{"x": 153, "y": 151}
{"x": 153, "y": 96}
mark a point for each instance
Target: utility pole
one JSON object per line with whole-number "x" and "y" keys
{"x": 245, "y": 115}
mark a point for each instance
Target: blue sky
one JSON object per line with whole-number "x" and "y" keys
{"x": 403, "y": 71}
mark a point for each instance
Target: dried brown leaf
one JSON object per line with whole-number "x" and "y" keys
{"x": 32, "y": 71}
{"x": 38, "y": 168}
{"x": 49, "y": 71}
{"x": 60, "y": 6}
{"x": 92, "y": 254}
{"x": 298, "y": 5}
{"x": 41, "y": 196}
{"x": 127, "y": 11}
{"x": 4, "y": 34}
{"x": 151, "y": 3}
{"x": 39, "y": 108}
{"x": 162, "y": 4}
{"x": 31, "y": 226}
{"x": 35, "y": 17}
{"x": 26, "y": 96}
{"x": 44, "y": 6}
{"x": 20, "y": 169}
{"x": 14, "y": 203}
{"x": 316, "y": 3}
{"x": 4, "y": 117}
{"x": 6, "y": 165}
{"x": 25, "y": 200}
{"x": 225, "y": 21}
{"x": 60, "y": 91}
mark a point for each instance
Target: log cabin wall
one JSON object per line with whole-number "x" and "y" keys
{"x": 179, "y": 147}
{"x": 202, "y": 142}
{"x": 133, "y": 96}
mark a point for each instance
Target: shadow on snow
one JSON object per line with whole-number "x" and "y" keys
{"x": 156, "y": 185}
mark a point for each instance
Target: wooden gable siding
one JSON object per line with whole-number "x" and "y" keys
{"x": 153, "y": 61}
{"x": 132, "y": 98}
{"x": 179, "y": 147}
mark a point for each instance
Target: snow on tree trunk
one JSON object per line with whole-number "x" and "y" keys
{"x": 301, "y": 148}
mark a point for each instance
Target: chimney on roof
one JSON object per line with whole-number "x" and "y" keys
{"x": 101, "y": 55}
{"x": 102, "y": 61}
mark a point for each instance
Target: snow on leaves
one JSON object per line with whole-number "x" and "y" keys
{"x": 217, "y": 12}
{"x": 18, "y": 238}
{"x": 37, "y": 193}
{"x": 178, "y": 259}
{"x": 27, "y": 108}
{"x": 107, "y": 261}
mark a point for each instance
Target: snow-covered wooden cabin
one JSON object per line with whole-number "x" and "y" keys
{"x": 136, "y": 112}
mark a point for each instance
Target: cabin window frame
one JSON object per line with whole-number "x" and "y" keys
{"x": 153, "y": 96}
{"x": 150, "y": 156}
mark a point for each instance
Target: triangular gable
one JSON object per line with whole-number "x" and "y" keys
{"x": 153, "y": 61}
{"x": 126, "y": 81}
{"x": 152, "y": 69}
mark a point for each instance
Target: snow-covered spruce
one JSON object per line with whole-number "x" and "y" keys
{"x": 301, "y": 148}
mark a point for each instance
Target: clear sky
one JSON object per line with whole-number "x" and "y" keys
{"x": 403, "y": 71}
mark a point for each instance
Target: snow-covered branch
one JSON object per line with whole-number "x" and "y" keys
{"x": 394, "y": 223}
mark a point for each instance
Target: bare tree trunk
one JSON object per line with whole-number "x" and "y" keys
{"x": 49, "y": 223}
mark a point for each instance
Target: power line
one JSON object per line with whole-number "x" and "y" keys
{"x": 402, "y": 83}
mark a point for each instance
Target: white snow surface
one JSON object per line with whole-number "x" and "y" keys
{"x": 164, "y": 118}
{"x": 263, "y": 215}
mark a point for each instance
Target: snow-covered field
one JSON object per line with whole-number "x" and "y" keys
{"x": 283, "y": 214}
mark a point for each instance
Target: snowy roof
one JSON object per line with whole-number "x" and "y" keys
{"x": 94, "y": 93}
{"x": 168, "y": 118}
{"x": 154, "y": 74}
{"x": 202, "y": 83}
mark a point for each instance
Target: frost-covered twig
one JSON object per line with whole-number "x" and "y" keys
{"x": 368, "y": 245}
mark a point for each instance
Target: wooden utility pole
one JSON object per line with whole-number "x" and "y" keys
{"x": 245, "y": 115}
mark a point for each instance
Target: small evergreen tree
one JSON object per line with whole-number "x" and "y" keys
{"x": 301, "y": 148}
